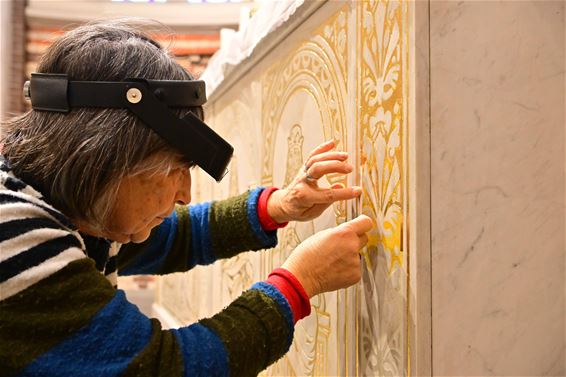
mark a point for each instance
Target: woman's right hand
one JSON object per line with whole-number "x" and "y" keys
{"x": 330, "y": 259}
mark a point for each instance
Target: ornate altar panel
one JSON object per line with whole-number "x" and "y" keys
{"x": 303, "y": 105}
{"x": 342, "y": 75}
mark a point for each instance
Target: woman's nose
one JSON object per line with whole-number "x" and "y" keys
{"x": 183, "y": 195}
{"x": 183, "y": 198}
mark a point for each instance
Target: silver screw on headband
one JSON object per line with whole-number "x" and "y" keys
{"x": 133, "y": 95}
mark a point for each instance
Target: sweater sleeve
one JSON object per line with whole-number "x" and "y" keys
{"x": 199, "y": 234}
{"x": 82, "y": 326}
{"x": 60, "y": 317}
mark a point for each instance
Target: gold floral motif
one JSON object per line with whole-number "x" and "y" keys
{"x": 334, "y": 34}
{"x": 382, "y": 120}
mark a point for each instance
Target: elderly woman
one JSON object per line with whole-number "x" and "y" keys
{"x": 95, "y": 182}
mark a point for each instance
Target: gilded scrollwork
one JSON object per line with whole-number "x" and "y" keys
{"x": 316, "y": 70}
{"x": 335, "y": 35}
{"x": 382, "y": 316}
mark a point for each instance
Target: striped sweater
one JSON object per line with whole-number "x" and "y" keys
{"x": 61, "y": 314}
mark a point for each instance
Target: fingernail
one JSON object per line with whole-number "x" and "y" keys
{"x": 357, "y": 190}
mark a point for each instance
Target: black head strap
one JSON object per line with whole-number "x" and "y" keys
{"x": 150, "y": 100}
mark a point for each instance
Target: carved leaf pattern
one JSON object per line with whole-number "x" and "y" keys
{"x": 382, "y": 314}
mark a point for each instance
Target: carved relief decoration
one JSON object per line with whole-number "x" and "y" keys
{"x": 383, "y": 312}
{"x": 304, "y": 104}
{"x": 274, "y": 120}
{"x": 318, "y": 67}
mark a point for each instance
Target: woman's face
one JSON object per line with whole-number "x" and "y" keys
{"x": 144, "y": 200}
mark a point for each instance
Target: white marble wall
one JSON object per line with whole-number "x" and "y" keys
{"x": 498, "y": 188}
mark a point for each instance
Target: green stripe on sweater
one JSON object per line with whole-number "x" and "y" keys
{"x": 254, "y": 321}
{"x": 230, "y": 229}
{"x": 36, "y": 319}
{"x": 161, "y": 357}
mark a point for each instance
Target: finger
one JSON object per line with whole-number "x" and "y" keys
{"x": 338, "y": 186}
{"x": 363, "y": 240}
{"x": 332, "y": 195}
{"x": 324, "y": 147}
{"x": 319, "y": 169}
{"x": 327, "y": 156}
{"x": 361, "y": 224}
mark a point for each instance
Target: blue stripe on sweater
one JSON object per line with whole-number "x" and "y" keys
{"x": 151, "y": 260}
{"x": 203, "y": 352}
{"x": 105, "y": 347}
{"x": 201, "y": 246}
{"x": 274, "y": 293}
{"x": 267, "y": 239}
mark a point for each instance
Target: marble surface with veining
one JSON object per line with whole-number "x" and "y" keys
{"x": 498, "y": 188}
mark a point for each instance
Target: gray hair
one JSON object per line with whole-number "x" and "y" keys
{"x": 78, "y": 159}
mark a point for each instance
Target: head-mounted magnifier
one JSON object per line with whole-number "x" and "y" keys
{"x": 150, "y": 100}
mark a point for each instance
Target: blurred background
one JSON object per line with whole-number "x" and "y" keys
{"x": 193, "y": 31}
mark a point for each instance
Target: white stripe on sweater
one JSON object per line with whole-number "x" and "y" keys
{"x": 27, "y": 197}
{"x": 27, "y": 189}
{"x": 33, "y": 200}
{"x": 18, "y": 210}
{"x": 23, "y": 242}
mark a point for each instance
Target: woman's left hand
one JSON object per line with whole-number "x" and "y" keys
{"x": 303, "y": 199}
